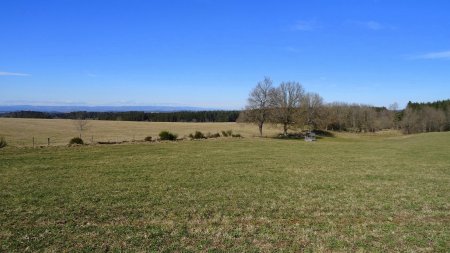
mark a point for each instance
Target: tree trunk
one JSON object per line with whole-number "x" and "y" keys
{"x": 260, "y": 125}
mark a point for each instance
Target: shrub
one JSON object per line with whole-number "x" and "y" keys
{"x": 167, "y": 136}
{"x": 197, "y": 135}
{"x": 3, "y": 142}
{"x": 236, "y": 135}
{"x": 76, "y": 140}
{"x": 227, "y": 133}
{"x": 216, "y": 135}
{"x": 148, "y": 138}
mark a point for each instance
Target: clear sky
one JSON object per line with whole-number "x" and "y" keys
{"x": 211, "y": 53}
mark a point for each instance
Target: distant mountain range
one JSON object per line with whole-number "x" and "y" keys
{"x": 65, "y": 109}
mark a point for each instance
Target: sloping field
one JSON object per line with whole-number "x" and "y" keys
{"x": 20, "y": 132}
{"x": 338, "y": 194}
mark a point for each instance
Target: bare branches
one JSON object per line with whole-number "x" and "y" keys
{"x": 286, "y": 102}
{"x": 289, "y": 106}
{"x": 313, "y": 112}
{"x": 279, "y": 105}
{"x": 259, "y": 102}
{"x": 81, "y": 124}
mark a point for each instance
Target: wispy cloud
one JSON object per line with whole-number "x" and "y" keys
{"x": 445, "y": 55}
{"x": 3, "y": 73}
{"x": 292, "y": 49}
{"x": 305, "y": 25}
{"x": 371, "y": 25}
{"x": 92, "y": 75}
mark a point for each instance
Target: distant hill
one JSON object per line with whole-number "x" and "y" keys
{"x": 66, "y": 109}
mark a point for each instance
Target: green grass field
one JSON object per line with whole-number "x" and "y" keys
{"x": 379, "y": 193}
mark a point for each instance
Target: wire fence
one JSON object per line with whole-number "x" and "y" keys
{"x": 40, "y": 141}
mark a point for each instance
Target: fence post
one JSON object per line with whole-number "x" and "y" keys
{"x": 48, "y": 141}
{"x": 33, "y": 141}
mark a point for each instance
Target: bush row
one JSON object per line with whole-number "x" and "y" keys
{"x": 200, "y": 135}
{"x": 168, "y": 136}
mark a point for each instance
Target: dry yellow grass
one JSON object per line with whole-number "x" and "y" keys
{"x": 20, "y": 132}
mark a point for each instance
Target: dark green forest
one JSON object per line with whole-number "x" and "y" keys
{"x": 443, "y": 105}
{"x": 182, "y": 116}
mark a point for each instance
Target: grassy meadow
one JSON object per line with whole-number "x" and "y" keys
{"x": 344, "y": 193}
{"x": 20, "y": 132}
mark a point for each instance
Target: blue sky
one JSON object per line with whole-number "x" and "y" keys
{"x": 211, "y": 53}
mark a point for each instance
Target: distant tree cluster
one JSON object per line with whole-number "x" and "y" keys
{"x": 357, "y": 118}
{"x": 289, "y": 106}
{"x": 183, "y": 116}
{"x": 426, "y": 117}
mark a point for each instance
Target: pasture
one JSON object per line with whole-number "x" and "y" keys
{"x": 344, "y": 193}
{"x": 20, "y": 132}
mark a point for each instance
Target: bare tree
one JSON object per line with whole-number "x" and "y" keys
{"x": 409, "y": 121}
{"x": 286, "y": 100}
{"x": 337, "y": 113}
{"x": 425, "y": 119}
{"x": 435, "y": 120}
{"x": 447, "y": 125}
{"x": 312, "y": 110}
{"x": 368, "y": 116}
{"x": 393, "y": 108}
{"x": 385, "y": 119}
{"x": 259, "y": 102}
{"x": 81, "y": 124}
{"x": 356, "y": 117}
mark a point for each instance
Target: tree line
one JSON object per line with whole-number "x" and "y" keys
{"x": 426, "y": 117}
{"x": 291, "y": 107}
{"x": 182, "y": 116}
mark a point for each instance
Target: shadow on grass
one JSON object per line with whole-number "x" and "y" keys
{"x": 323, "y": 133}
{"x": 320, "y": 134}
